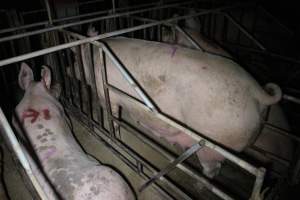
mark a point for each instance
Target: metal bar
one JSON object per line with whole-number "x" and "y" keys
{"x": 182, "y": 166}
{"x": 276, "y": 20}
{"x": 130, "y": 80}
{"x": 23, "y": 27}
{"x": 258, "y": 172}
{"x": 57, "y": 27}
{"x": 48, "y": 11}
{"x": 106, "y": 95}
{"x": 228, "y": 155}
{"x": 188, "y": 37}
{"x": 258, "y": 184}
{"x": 185, "y": 155}
{"x": 72, "y": 17}
{"x": 89, "y": 2}
{"x": 104, "y": 137}
{"x": 98, "y": 37}
{"x": 268, "y": 53}
{"x": 113, "y": 6}
{"x": 270, "y": 155}
{"x": 6, "y": 129}
{"x": 281, "y": 131}
{"x": 33, "y": 11}
{"x": 242, "y": 29}
{"x": 291, "y": 98}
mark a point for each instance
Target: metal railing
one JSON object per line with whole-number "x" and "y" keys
{"x": 147, "y": 106}
{"x": 257, "y": 172}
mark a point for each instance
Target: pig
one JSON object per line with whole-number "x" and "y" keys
{"x": 210, "y": 94}
{"x": 192, "y": 27}
{"x": 267, "y": 140}
{"x": 73, "y": 174}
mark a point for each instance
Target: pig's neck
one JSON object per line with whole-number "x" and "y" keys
{"x": 47, "y": 129}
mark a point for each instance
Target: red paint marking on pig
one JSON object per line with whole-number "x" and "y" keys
{"x": 30, "y": 113}
{"x": 47, "y": 115}
{"x": 34, "y": 114}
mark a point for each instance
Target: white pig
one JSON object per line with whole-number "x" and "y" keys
{"x": 269, "y": 141}
{"x": 210, "y": 94}
{"x": 72, "y": 173}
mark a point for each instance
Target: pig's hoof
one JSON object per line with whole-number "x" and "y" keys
{"x": 210, "y": 171}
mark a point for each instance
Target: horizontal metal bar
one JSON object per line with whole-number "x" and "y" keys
{"x": 33, "y": 11}
{"x": 185, "y": 155}
{"x": 291, "y": 98}
{"x": 258, "y": 51}
{"x": 72, "y": 18}
{"x": 98, "y": 37}
{"x": 278, "y": 130}
{"x": 270, "y": 155}
{"x": 24, "y": 27}
{"x": 89, "y": 2}
{"x": 57, "y": 27}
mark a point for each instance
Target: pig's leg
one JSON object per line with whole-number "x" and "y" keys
{"x": 211, "y": 161}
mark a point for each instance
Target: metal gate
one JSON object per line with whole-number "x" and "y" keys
{"x": 56, "y": 38}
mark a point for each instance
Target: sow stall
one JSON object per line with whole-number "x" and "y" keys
{"x": 54, "y": 45}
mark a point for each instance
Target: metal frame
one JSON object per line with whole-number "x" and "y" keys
{"x": 147, "y": 106}
{"x": 257, "y": 172}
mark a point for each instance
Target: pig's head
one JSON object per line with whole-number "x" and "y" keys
{"x": 42, "y": 87}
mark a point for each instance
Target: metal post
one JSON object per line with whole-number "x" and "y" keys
{"x": 48, "y": 11}
{"x": 106, "y": 94}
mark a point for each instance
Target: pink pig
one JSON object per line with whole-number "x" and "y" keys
{"x": 72, "y": 173}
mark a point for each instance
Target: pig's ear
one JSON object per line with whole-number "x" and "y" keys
{"x": 25, "y": 76}
{"x": 46, "y": 76}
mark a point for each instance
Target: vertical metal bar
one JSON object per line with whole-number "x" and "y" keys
{"x": 84, "y": 92}
{"x": 93, "y": 49}
{"x": 74, "y": 81}
{"x": 113, "y": 6}
{"x": 48, "y": 12}
{"x": 106, "y": 95}
{"x": 66, "y": 62}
